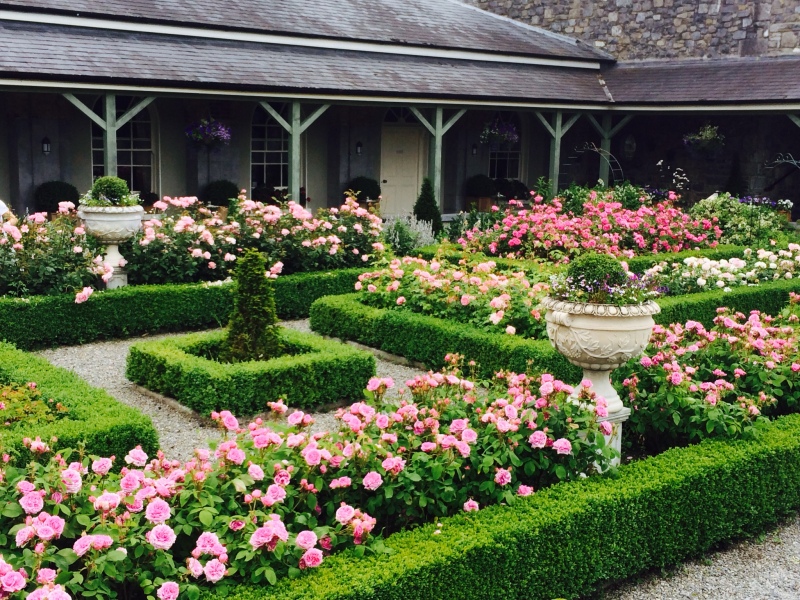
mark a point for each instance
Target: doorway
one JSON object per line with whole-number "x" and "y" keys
{"x": 403, "y": 157}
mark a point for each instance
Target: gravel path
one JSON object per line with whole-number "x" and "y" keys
{"x": 764, "y": 569}
{"x": 180, "y": 431}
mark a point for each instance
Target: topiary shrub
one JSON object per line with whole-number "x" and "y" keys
{"x": 219, "y": 193}
{"x": 252, "y": 334}
{"x": 600, "y": 268}
{"x": 365, "y": 187}
{"x": 512, "y": 189}
{"x": 49, "y": 194}
{"x": 480, "y": 186}
{"x": 110, "y": 189}
{"x": 427, "y": 209}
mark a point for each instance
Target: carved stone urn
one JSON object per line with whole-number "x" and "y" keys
{"x": 113, "y": 225}
{"x": 599, "y": 338}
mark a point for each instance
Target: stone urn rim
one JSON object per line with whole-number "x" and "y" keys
{"x": 646, "y": 308}
{"x": 111, "y": 209}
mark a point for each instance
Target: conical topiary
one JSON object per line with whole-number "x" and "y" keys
{"x": 427, "y": 209}
{"x": 252, "y": 331}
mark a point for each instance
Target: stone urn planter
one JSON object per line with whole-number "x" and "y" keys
{"x": 113, "y": 225}
{"x": 599, "y": 338}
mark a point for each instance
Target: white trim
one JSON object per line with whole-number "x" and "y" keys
{"x": 288, "y": 40}
{"x": 64, "y": 86}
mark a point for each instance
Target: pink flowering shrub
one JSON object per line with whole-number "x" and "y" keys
{"x": 269, "y": 502}
{"x": 194, "y": 244}
{"x": 476, "y": 293}
{"x": 694, "y": 383}
{"x": 546, "y": 230}
{"x": 40, "y": 257}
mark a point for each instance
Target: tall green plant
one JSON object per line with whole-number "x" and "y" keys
{"x": 252, "y": 331}
{"x": 427, "y": 209}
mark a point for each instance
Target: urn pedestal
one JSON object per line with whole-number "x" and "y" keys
{"x": 599, "y": 338}
{"x": 113, "y": 225}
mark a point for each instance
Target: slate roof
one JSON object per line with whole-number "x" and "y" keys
{"x": 75, "y": 54}
{"x": 719, "y": 81}
{"x": 433, "y": 23}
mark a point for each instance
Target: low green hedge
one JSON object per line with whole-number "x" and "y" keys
{"x": 567, "y": 540}
{"x": 106, "y": 426}
{"x": 428, "y": 339}
{"x": 319, "y": 371}
{"x": 45, "y": 321}
{"x": 638, "y": 264}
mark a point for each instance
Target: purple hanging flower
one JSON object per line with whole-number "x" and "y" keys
{"x": 209, "y": 132}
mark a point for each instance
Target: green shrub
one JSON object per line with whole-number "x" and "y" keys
{"x": 364, "y": 187}
{"x": 512, "y": 189}
{"x": 109, "y": 188}
{"x": 93, "y": 416}
{"x": 49, "y": 194}
{"x": 314, "y": 371}
{"x": 43, "y": 321}
{"x": 596, "y": 268}
{"x": 252, "y": 334}
{"x": 427, "y": 208}
{"x": 480, "y": 186}
{"x": 741, "y": 223}
{"x": 570, "y": 539}
{"x": 219, "y": 193}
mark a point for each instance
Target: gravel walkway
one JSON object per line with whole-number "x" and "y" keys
{"x": 764, "y": 569}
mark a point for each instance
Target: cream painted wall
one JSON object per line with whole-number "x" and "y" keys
{"x": 5, "y": 174}
{"x": 170, "y": 142}
{"x": 315, "y": 159}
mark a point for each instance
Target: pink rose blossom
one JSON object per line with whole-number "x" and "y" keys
{"x": 306, "y": 540}
{"x": 562, "y": 446}
{"x": 524, "y": 490}
{"x": 161, "y": 537}
{"x": 345, "y": 513}
{"x": 311, "y": 559}
{"x": 101, "y": 466}
{"x": 502, "y": 477}
{"x": 136, "y": 457}
{"x": 158, "y": 511}
{"x": 31, "y": 502}
{"x": 538, "y": 439}
{"x": 471, "y": 506}
{"x": 214, "y": 570}
{"x": 256, "y": 472}
{"x": 169, "y": 590}
{"x": 372, "y": 481}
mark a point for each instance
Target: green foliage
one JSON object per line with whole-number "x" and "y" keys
{"x": 640, "y": 264}
{"x": 314, "y": 371}
{"x": 110, "y": 191}
{"x": 93, "y": 416}
{"x": 252, "y": 334}
{"x": 219, "y": 193}
{"x": 742, "y": 224}
{"x": 597, "y": 268}
{"x": 480, "y": 186}
{"x": 573, "y": 198}
{"x": 44, "y": 321}
{"x": 364, "y": 187}
{"x": 664, "y": 510}
{"x": 22, "y": 404}
{"x": 427, "y": 208}
{"x": 406, "y": 233}
{"x": 512, "y": 189}
{"x": 50, "y": 193}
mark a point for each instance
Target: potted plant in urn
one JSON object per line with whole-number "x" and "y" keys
{"x": 599, "y": 316}
{"x": 112, "y": 214}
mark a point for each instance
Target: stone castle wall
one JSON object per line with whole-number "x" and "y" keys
{"x": 638, "y": 29}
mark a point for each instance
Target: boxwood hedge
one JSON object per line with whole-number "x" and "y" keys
{"x": 567, "y": 540}
{"x": 44, "y": 321}
{"x": 428, "y": 339}
{"x": 317, "y": 371}
{"x": 106, "y": 426}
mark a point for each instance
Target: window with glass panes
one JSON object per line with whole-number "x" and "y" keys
{"x": 269, "y": 150}
{"x": 134, "y": 147}
{"x": 504, "y": 159}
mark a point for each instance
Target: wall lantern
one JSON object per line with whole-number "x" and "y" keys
{"x": 629, "y": 147}
{"x": 359, "y": 148}
{"x": 474, "y": 149}
{"x": 45, "y": 146}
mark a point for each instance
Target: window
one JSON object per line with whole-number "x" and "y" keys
{"x": 134, "y": 146}
{"x": 504, "y": 156}
{"x": 269, "y": 150}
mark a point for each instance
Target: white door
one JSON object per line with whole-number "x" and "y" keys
{"x": 403, "y": 157}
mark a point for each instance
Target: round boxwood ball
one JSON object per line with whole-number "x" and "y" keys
{"x": 597, "y": 268}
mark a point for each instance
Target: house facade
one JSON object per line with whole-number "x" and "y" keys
{"x": 317, "y": 93}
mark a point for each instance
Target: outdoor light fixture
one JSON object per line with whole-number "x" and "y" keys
{"x": 45, "y": 146}
{"x": 359, "y": 148}
{"x": 474, "y": 149}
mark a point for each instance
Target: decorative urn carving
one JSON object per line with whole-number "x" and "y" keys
{"x": 113, "y": 225}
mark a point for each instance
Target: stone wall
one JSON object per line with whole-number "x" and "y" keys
{"x": 638, "y": 29}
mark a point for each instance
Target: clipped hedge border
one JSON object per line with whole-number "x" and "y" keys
{"x": 325, "y": 371}
{"x": 107, "y": 427}
{"x": 428, "y": 339}
{"x": 566, "y": 540}
{"x": 45, "y": 321}
{"x": 638, "y": 264}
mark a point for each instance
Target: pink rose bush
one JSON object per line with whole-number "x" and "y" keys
{"x": 477, "y": 293}
{"x": 694, "y": 383}
{"x": 546, "y": 230}
{"x": 265, "y": 503}
{"x": 190, "y": 243}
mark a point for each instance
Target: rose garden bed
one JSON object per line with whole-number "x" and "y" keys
{"x": 315, "y": 371}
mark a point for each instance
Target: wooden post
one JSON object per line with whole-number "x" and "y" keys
{"x": 294, "y": 153}
{"x": 555, "y": 152}
{"x": 795, "y": 119}
{"x": 605, "y": 146}
{"x": 437, "y": 129}
{"x": 110, "y": 136}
